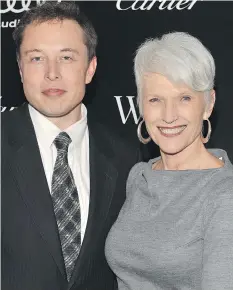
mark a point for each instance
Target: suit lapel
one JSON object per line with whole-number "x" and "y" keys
{"x": 103, "y": 177}
{"x": 33, "y": 187}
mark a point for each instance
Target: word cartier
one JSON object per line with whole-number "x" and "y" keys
{"x": 163, "y": 4}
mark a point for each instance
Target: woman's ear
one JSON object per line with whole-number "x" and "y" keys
{"x": 209, "y": 105}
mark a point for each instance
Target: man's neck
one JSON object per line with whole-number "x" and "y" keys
{"x": 68, "y": 120}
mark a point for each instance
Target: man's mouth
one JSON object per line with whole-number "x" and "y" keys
{"x": 53, "y": 92}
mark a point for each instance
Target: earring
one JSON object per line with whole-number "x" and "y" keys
{"x": 206, "y": 139}
{"x": 141, "y": 139}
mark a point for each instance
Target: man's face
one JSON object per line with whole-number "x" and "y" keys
{"x": 54, "y": 67}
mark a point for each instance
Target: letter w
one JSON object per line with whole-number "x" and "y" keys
{"x": 132, "y": 109}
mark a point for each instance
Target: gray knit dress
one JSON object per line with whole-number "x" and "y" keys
{"x": 175, "y": 229}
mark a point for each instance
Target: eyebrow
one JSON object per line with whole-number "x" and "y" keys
{"x": 154, "y": 96}
{"x": 70, "y": 50}
{"x": 32, "y": 50}
{"x": 177, "y": 96}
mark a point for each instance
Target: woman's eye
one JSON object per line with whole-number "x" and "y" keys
{"x": 153, "y": 100}
{"x": 186, "y": 98}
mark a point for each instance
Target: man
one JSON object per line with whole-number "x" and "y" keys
{"x": 63, "y": 175}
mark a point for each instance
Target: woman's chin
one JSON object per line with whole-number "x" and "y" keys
{"x": 171, "y": 149}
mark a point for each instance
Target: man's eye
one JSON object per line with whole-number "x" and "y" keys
{"x": 66, "y": 57}
{"x": 36, "y": 59}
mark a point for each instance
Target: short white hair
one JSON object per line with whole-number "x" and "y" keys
{"x": 179, "y": 57}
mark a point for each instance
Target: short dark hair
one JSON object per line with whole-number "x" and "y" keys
{"x": 53, "y": 10}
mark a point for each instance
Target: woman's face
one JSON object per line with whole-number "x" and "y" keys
{"x": 173, "y": 113}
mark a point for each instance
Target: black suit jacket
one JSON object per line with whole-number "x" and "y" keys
{"x": 31, "y": 251}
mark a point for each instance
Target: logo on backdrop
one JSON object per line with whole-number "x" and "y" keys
{"x": 10, "y": 5}
{"x": 162, "y": 4}
{"x": 132, "y": 109}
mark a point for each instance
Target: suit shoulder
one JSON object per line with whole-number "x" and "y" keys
{"x": 108, "y": 139}
{"x": 9, "y": 118}
{"x": 122, "y": 152}
{"x": 108, "y": 134}
{"x": 13, "y": 123}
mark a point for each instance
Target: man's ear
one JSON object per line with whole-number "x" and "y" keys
{"x": 209, "y": 105}
{"x": 20, "y": 69}
{"x": 91, "y": 70}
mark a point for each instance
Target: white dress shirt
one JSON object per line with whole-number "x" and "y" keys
{"x": 78, "y": 155}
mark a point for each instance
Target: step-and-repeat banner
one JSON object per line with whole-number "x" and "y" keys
{"x": 121, "y": 26}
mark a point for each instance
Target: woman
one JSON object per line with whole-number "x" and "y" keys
{"x": 175, "y": 230}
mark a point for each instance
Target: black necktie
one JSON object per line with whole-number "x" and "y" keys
{"x": 66, "y": 204}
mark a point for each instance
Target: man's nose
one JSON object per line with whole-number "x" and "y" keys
{"x": 52, "y": 71}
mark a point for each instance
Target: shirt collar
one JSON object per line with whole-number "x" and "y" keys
{"x": 46, "y": 131}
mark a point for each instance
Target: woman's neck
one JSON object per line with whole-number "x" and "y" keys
{"x": 195, "y": 156}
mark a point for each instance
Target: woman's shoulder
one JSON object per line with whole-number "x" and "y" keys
{"x": 137, "y": 170}
{"x": 222, "y": 184}
{"x": 222, "y": 179}
{"x": 218, "y": 207}
{"x": 135, "y": 175}
{"x": 220, "y": 188}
